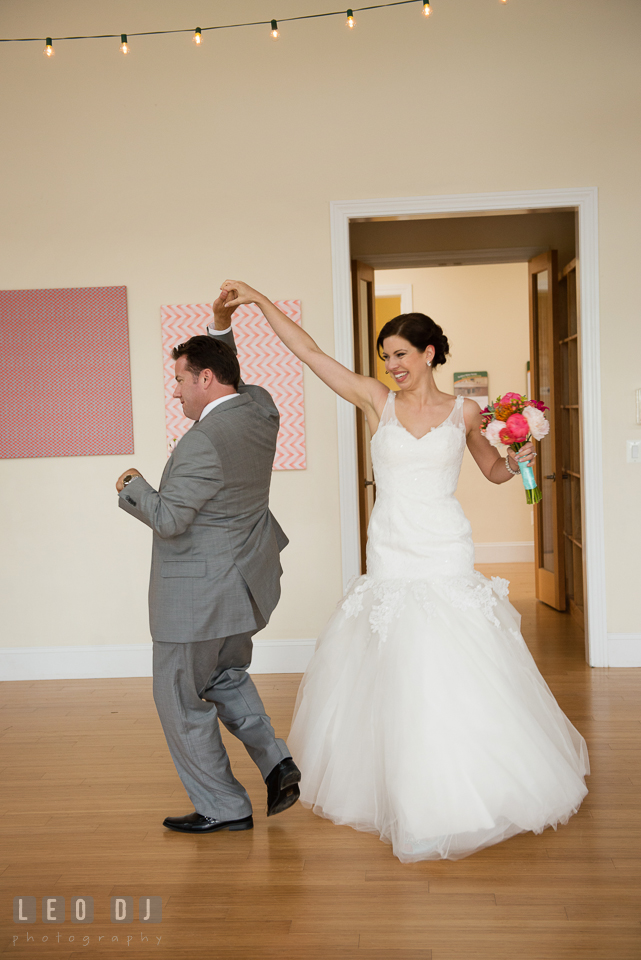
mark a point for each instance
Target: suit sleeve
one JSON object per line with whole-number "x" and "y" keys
{"x": 196, "y": 477}
{"x": 227, "y": 336}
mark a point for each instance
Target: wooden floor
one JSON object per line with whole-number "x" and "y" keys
{"x": 87, "y": 781}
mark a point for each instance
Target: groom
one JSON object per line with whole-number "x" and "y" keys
{"x": 215, "y": 580}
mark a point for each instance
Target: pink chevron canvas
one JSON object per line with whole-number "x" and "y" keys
{"x": 263, "y": 361}
{"x": 69, "y": 394}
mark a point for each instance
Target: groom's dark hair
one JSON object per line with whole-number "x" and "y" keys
{"x": 210, "y": 353}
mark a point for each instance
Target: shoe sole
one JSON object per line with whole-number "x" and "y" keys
{"x": 247, "y": 825}
{"x": 290, "y": 778}
{"x": 286, "y": 799}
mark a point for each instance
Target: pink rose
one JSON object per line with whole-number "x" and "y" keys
{"x": 492, "y": 431}
{"x": 515, "y": 429}
{"x": 539, "y": 426}
{"x": 510, "y": 398}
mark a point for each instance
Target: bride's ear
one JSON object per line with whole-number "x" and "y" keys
{"x": 429, "y": 355}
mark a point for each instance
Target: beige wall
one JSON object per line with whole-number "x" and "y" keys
{"x": 484, "y": 313}
{"x": 176, "y": 167}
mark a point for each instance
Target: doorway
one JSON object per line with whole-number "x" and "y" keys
{"x": 579, "y": 203}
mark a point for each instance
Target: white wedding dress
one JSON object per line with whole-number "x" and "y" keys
{"x": 422, "y": 716}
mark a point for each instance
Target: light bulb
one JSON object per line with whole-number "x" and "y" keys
{"x": 274, "y": 31}
{"x": 48, "y": 50}
{"x": 350, "y": 22}
{"x": 427, "y": 10}
{"x": 198, "y": 36}
{"x": 124, "y": 46}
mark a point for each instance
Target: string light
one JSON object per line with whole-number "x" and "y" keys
{"x": 351, "y": 23}
{"x": 124, "y": 46}
{"x": 197, "y": 34}
{"x": 427, "y": 10}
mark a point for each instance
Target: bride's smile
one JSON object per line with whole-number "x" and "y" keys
{"x": 403, "y": 362}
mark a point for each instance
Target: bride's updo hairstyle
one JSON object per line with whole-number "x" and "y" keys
{"x": 420, "y": 331}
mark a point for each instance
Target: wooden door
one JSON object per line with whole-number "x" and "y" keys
{"x": 570, "y": 352}
{"x": 549, "y": 542}
{"x": 364, "y": 363}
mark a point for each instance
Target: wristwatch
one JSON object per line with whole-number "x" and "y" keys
{"x": 128, "y": 478}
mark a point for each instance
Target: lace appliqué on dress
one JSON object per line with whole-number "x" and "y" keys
{"x": 464, "y": 595}
{"x": 501, "y": 587}
{"x": 390, "y": 595}
{"x": 352, "y": 602}
{"x": 389, "y": 598}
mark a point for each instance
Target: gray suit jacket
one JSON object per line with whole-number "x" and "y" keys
{"x": 215, "y": 568}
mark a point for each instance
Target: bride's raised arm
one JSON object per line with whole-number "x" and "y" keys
{"x": 365, "y": 392}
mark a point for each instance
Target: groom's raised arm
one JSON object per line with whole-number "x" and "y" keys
{"x": 221, "y": 324}
{"x": 196, "y": 476}
{"x": 227, "y": 336}
{"x": 222, "y": 329}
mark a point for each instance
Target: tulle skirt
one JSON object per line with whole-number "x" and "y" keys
{"x": 422, "y": 717}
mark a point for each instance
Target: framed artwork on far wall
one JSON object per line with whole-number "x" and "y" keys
{"x": 473, "y": 384}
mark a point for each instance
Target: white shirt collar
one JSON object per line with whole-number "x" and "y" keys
{"x": 214, "y": 403}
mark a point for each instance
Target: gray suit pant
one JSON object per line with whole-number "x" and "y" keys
{"x": 195, "y": 684}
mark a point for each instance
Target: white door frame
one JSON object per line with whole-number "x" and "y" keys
{"x": 402, "y": 290}
{"x": 585, "y": 202}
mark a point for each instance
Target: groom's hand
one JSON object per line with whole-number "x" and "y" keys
{"x": 128, "y": 473}
{"x": 222, "y": 313}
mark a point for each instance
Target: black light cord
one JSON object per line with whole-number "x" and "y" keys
{"x": 224, "y": 26}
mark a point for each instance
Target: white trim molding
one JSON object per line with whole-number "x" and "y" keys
{"x": 450, "y": 258}
{"x": 133, "y": 660}
{"x": 282, "y": 656}
{"x": 517, "y": 551}
{"x": 624, "y": 649}
{"x": 584, "y": 201}
{"x": 402, "y": 290}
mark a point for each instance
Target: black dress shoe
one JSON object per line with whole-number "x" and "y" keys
{"x": 282, "y": 786}
{"x": 195, "y": 823}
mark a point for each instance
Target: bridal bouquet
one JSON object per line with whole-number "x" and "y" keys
{"x": 511, "y": 421}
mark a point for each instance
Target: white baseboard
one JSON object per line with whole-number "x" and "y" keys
{"x": 281, "y": 656}
{"x": 519, "y": 551}
{"x": 624, "y": 649}
{"x": 132, "y": 660}
{"x": 270, "y": 656}
{"x": 76, "y": 662}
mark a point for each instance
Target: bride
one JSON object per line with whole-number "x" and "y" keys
{"x": 422, "y": 716}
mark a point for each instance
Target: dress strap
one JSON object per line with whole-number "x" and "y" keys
{"x": 458, "y": 420}
{"x": 389, "y": 410}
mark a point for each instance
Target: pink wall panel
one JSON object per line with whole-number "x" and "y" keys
{"x": 66, "y": 391}
{"x": 263, "y": 361}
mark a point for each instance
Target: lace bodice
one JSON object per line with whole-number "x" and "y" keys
{"x": 417, "y": 529}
